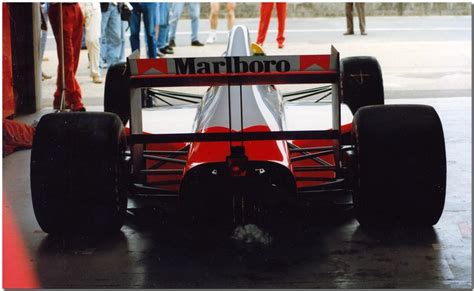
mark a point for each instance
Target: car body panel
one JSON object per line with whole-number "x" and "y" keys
{"x": 242, "y": 108}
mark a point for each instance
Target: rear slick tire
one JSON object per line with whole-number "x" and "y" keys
{"x": 78, "y": 173}
{"x": 117, "y": 91}
{"x": 400, "y": 165}
{"x": 361, "y": 82}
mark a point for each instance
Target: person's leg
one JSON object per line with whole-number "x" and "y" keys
{"x": 281, "y": 14}
{"x": 361, "y": 14}
{"x": 44, "y": 33}
{"x": 230, "y": 15}
{"x": 158, "y": 18}
{"x": 213, "y": 19}
{"x": 71, "y": 14}
{"x": 265, "y": 14}
{"x": 72, "y": 40}
{"x": 53, "y": 14}
{"x": 114, "y": 36}
{"x": 176, "y": 10}
{"x": 135, "y": 27}
{"x": 149, "y": 17}
{"x": 214, "y": 15}
{"x": 44, "y": 37}
{"x": 93, "y": 38}
{"x": 73, "y": 90}
{"x": 163, "y": 30}
{"x": 86, "y": 12}
{"x": 122, "y": 47}
{"x": 104, "y": 33}
{"x": 349, "y": 20}
{"x": 194, "y": 12}
{"x": 162, "y": 44}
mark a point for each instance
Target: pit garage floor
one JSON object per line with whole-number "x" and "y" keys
{"x": 328, "y": 249}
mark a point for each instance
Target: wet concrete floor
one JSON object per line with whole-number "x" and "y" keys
{"x": 325, "y": 248}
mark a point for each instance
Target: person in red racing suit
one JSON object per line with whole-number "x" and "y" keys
{"x": 72, "y": 36}
{"x": 265, "y": 15}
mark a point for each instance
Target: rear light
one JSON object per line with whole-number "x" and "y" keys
{"x": 237, "y": 170}
{"x": 237, "y": 162}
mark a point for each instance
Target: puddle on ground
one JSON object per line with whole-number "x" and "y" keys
{"x": 250, "y": 233}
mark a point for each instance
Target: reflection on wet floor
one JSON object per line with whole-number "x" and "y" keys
{"x": 322, "y": 248}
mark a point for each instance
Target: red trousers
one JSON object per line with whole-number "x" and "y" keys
{"x": 72, "y": 37}
{"x": 265, "y": 15}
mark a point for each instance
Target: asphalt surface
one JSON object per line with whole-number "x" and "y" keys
{"x": 425, "y": 60}
{"x": 421, "y": 57}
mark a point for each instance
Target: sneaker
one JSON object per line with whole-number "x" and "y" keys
{"x": 281, "y": 45}
{"x": 211, "y": 38}
{"x": 363, "y": 33}
{"x": 196, "y": 43}
{"x": 172, "y": 43}
{"x": 97, "y": 79}
{"x": 159, "y": 54}
{"x": 348, "y": 33}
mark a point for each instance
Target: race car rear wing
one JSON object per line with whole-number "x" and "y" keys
{"x": 215, "y": 71}
{"x": 252, "y": 70}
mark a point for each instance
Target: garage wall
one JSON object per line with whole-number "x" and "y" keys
{"x": 24, "y": 22}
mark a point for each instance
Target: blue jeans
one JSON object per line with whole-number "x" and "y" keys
{"x": 162, "y": 13}
{"x": 44, "y": 33}
{"x": 149, "y": 16}
{"x": 112, "y": 40}
{"x": 177, "y": 10}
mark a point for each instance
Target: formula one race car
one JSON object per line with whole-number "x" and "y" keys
{"x": 245, "y": 156}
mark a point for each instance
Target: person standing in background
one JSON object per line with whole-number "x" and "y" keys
{"x": 265, "y": 15}
{"x": 44, "y": 37}
{"x": 92, "y": 23}
{"x": 148, "y": 10}
{"x": 112, "y": 32}
{"x": 125, "y": 24}
{"x": 162, "y": 14}
{"x": 214, "y": 19}
{"x": 194, "y": 12}
{"x": 349, "y": 18}
{"x": 73, "y": 23}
